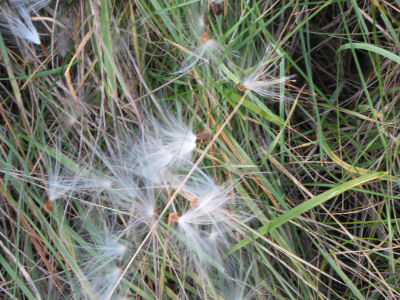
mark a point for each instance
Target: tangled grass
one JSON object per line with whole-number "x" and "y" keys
{"x": 167, "y": 149}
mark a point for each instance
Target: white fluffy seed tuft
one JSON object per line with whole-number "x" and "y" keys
{"x": 15, "y": 18}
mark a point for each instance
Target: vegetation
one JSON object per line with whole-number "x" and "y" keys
{"x": 168, "y": 149}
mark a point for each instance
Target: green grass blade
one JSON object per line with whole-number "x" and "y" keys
{"x": 309, "y": 204}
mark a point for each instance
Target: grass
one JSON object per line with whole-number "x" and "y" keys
{"x": 314, "y": 167}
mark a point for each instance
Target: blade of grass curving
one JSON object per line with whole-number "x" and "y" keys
{"x": 309, "y": 204}
{"x": 371, "y": 48}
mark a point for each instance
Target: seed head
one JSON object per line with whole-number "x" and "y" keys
{"x": 15, "y": 18}
{"x": 173, "y": 218}
{"x": 204, "y": 37}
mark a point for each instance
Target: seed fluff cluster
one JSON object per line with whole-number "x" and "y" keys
{"x": 15, "y": 18}
{"x": 130, "y": 212}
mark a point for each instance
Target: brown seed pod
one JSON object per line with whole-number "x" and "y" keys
{"x": 241, "y": 87}
{"x": 47, "y": 205}
{"x": 203, "y": 136}
{"x": 46, "y": 54}
{"x": 205, "y": 37}
{"x": 173, "y": 218}
{"x": 194, "y": 202}
{"x": 217, "y": 8}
